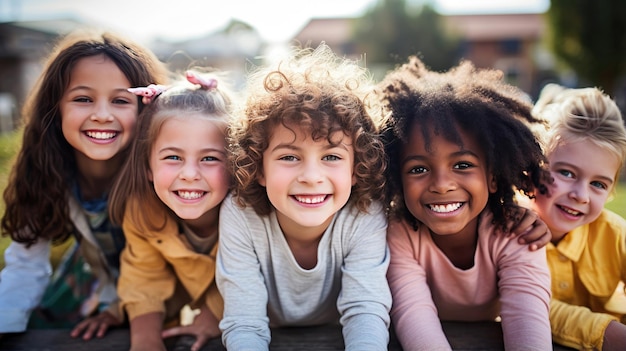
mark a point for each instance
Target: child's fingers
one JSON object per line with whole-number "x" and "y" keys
{"x": 91, "y": 329}
{"x": 102, "y": 329}
{"x": 175, "y": 331}
{"x": 538, "y": 237}
{"x": 78, "y": 329}
{"x": 200, "y": 341}
{"x": 525, "y": 224}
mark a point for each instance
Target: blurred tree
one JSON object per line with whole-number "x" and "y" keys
{"x": 392, "y": 30}
{"x": 589, "y": 36}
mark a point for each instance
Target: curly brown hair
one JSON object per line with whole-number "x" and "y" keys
{"x": 321, "y": 93}
{"x": 36, "y": 195}
{"x": 475, "y": 101}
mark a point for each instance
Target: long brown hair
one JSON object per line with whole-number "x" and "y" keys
{"x": 36, "y": 194}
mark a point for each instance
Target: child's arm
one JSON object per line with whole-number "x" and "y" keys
{"x": 414, "y": 313}
{"x": 23, "y": 281}
{"x": 146, "y": 281}
{"x": 204, "y": 327}
{"x": 577, "y": 326}
{"x": 365, "y": 299}
{"x": 524, "y": 288}
{"x": 614, "y": 337}
{"x": 527, "y": 227}
{"x": 245, "y": 325}
{"x": 145, "y": 332}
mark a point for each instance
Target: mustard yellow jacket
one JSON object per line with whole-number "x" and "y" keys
{"x": 586, "y": 266}
{"x": 154, "y": 262}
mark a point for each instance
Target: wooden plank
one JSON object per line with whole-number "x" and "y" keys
{"x": 462, "y": 336}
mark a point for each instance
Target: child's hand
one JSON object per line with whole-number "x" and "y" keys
{"x": 98, "y": 324}
{"x": 204, "y": 327}
{"x": 529, "y": 229}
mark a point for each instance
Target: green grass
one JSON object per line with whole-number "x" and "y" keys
{"x": 9, "y": 144}
{"x": 618, "y": 204}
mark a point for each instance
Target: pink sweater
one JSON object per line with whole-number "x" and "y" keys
{"x": 507, "y": 280}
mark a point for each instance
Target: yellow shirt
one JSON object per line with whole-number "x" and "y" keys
{"x": 586, "y": 266}
{"x": 156, "y": 264}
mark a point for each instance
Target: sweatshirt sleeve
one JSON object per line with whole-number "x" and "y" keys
{"x": 23, "y": 281}
{"x": 414, "y": 313}
{"x": 365, "y": 300}
{"x": 245, "y": 325}
{"x": 146, "y": 280}
{"x": 577, "y": 326}
{"x": 524, "y": 286}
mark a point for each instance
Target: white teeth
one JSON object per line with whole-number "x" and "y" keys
{"x": 190, "y": 195}
{"x": 310, "y": 200}
{"x": 570, "y": 211}
{"x": 101, "y": 135}
{"x": 445, "y": 208}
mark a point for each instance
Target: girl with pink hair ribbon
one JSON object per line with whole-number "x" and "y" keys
{"x": 168, "y": 199}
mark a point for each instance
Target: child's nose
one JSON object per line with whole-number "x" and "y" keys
{"x": 580, "y": 193}
{"x": 189, "y": 171}
{"x": 441, "y": 183}
{"x": 102, "y": 112}
{"x": 311, "y": 173}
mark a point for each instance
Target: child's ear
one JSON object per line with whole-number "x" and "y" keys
{"x": 261, "y": 179}
{"x": 150, "y": 177}
{"x": 353, "y": 179}
{"x": 493, "y": 185}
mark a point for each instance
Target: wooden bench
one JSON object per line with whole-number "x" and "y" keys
{"x": 462, "y": 336}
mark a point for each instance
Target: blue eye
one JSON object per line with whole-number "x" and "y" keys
{"x": 331, "y": 158}
{"x": 566, "y": 173}
{"x": 288, "y": 158}
{"x": 599, "y": 185}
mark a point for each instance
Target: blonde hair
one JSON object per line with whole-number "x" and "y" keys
{"x": 583, "y": 114}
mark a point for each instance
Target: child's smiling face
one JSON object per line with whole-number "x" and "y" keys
{"x": 584, "y": 176}
{"x": 188, "y": 166}
{"x": 446, "y": 187}
{"x": 307, "y": 181}
{"x": 98, "y": 114}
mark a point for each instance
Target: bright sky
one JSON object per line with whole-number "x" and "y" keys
{"x": 276, "y": 20}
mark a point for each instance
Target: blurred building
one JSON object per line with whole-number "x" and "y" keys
{"x": 335, "y": 32}
{"x": 509, "y": 42}
{"x": 229, "y": 50}
{"x": 23, "y": 47}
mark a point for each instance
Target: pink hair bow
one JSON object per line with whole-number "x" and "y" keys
{"x": 149, "y": 93}
{"x": 206, "y": 84}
